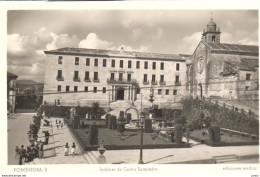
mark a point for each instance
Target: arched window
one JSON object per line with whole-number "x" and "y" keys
{"x": 213, "y": 39}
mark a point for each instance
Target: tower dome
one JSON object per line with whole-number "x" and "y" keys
{"x": 211, "y": 33}
{"x": 211, "y": 26}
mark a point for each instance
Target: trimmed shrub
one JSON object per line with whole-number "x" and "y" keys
{"x": 93, "y": 135}
{"x": 178, "y": 133}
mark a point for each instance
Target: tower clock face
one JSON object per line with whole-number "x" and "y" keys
{"x": 201, "y": 65}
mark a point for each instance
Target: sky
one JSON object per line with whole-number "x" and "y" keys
{"x": 31, "y": 32}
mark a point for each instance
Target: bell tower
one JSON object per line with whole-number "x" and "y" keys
{"x": 211, "y": 33}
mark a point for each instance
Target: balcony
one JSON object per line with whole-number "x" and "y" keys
{"x": 178, "y": 83}
{"x": 59, "y": 78}
{"x": 162, "y": 83}
{"x": 154, "y": 83}
{"x": 146, "y": 82}
{"x": 96, "y": 80}
{"x": 76, "y": 79}
{"x": 122, "y": 81}
{"x": 87, "y": 79}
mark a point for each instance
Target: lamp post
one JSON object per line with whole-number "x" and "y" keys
{"x": 141, "y": 140}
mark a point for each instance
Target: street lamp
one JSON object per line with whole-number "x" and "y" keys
{"x": 141, "y": 140}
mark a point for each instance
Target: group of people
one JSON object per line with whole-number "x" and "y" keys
{"x": 73, "y": 149}
{"x": 59, "y": 124}
{"x": 29, "y": 153}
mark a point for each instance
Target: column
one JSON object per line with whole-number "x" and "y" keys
{"x": 112, "y": 92}
{"x": 132, "y": 93}
{"x": 129, "y": 93}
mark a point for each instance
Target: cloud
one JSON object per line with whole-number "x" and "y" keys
{"x": 126, "y": 23}
{"x": 189, "y": 43}
{"x": 92, "y": 41}
{"x": 159, "y": 32}
{"x": 136, "y": 33}
{"x": 240, "y": 37}
{"x": 25, "y": 54}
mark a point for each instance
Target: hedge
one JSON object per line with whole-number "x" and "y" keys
{"x": 62, "y": 111}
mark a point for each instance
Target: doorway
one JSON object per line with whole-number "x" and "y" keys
{"x": 120, "y": 94}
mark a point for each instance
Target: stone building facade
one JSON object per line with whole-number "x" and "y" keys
{"x": 77, "y": 76}
{"x": 223, "y": 70}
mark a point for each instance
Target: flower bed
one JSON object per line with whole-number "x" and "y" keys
{"x": 227, "y": 139}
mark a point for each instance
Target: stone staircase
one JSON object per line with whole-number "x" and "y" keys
{"x": 225, "y": 158}
{"x": 91, "y": 157}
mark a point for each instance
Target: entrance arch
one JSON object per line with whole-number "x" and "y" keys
{"x": 120, "y": 93}
{"x": 137, "y": 112}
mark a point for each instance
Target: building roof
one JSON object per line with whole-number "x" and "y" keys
{"x": 215, "y": 47}
{"x": 249, "y": 64}
{"x": 114, "y": 53}
{"x": 11, "y": 75}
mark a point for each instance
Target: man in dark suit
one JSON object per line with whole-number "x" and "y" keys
{"x": 21, "y": 154}
{"x": 47, "y": 137}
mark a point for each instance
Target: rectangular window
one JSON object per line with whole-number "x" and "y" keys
{"x": 120, "y": 76}
{"x": 145, "y": 77}
{"x": 174, "y": 92}
{"x": 96, "y": 62}
{"x": 112, "y": 76}
{"x": 121, "y": 63}
{"x": 104, "y": 63}
{"x": 60, "y": 60}
{"x": 177, "y": 79}
{"x": 162, "y": 78}
{"x": 159, "y": 91}
{"x": 137, "y": 64}
{"x": 104, "y": 89}
{"x": 113, "y": 63}
{"x": 154, "y": 65}
{"x": 59, "y": 74}
{"x": 146, "y": 65}
{"x": 128, "y": 77}
{"x": 59, "y": 88}
{"x": 248, "y": 77}
{"x": 246, "y": 87}
{"x": 177, "y": 66}
{"x": 67, "y": 88}
{"x": 76, "y": 75}
{"x": 75, "y": 88}
{"x": 95, "y": 76}
{"x": 95, "y": 90}
{"x": 162, "y": 66}
{"x": 166, "y": 92}
{"x": 129, "y": 64}
{"x": 138, "y": 91}
{"x": 86, "y": 75}
{"x": 86, "y": 89}
{"x": 87, "y": 61}
{"x": 76, "y": 60}
{"x": 153, "y": 78}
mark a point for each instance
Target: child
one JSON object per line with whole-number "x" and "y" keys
{"x": 73, "y": 149}
{"x": 66, "y": 149}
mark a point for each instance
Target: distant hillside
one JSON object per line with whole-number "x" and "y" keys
{"x": 27, "y": 82}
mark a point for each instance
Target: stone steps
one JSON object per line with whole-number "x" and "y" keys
{"x": 225, "y": 158}
{"x": 91, "y": 157}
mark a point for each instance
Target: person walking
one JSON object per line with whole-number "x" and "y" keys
{"x": 40, "y": 150}
{"x": 47, "y": 135}
{"x": 66, "y": 149}
{"x": 61, "y": 125}
{"x": 73, "y": 149}
{"x": 21, "y": 154}
{"x": 16, "y": 152}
